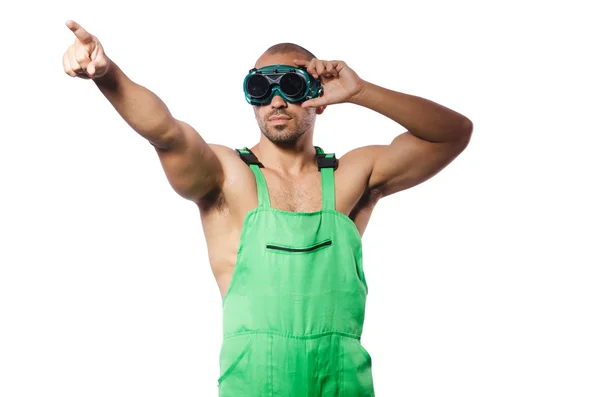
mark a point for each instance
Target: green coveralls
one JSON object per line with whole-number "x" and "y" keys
{"x": 294, "y": 311}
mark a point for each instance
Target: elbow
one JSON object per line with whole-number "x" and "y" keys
{"x": 468, "y": 127}
{"x": 168, "y": 136}
{"x": 465, "y": 132}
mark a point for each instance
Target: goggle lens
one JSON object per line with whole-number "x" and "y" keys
{"x": 258, "y": 86}
{"x": 292, "y": 85}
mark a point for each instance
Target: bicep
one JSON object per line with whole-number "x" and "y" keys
{"x": 409, "y": 161}
{"x": 190, "y": 164}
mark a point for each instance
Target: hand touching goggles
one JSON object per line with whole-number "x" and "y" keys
{"x": 292, "y": 83}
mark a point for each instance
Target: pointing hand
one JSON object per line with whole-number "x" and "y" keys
{"x": 85, "y": 58}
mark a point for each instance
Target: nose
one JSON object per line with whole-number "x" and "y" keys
{"x": 277, "y": 102}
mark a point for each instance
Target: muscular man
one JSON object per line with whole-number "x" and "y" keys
{"x": 283, "y": 219}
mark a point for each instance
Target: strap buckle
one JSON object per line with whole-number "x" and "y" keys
{"x": 327, "y": 162}
{"x": 249, "y": 158}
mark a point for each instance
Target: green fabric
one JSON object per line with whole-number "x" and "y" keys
{"x": 294, "y": 311}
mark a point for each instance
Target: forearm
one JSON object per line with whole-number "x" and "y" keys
{"x": 145, "y": 112}
{"x": 422, "y": 117}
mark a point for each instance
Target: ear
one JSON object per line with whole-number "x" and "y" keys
{"x": 321, "y": 109}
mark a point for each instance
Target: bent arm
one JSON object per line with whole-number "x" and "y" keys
{"x": 436, "y": 136}
{"x": 192, "y": 168}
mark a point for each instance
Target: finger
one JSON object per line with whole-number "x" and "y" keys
{"x": 338, "y": 65}
{"x": 91, "y": 69}
{"x": 67, "y": 66}
{"x": 82, "y": 35}
{"x": 313, "y": 103}
{"x": 301, "y": 62}
{"x": 95, "y": 53}
{"x": 81, "y": 73}
{"x": 320, "y": 66}
{"x": 73, "y": 61}
{"x": 330, "y": 70}
{"x": 99, "y": 60}
{"x": 82, "y": 57}
{"x": 311, "y": 68}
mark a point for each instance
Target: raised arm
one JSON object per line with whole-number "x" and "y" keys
{"x": 191, "y": 166}
{"x": 436, "y": 135}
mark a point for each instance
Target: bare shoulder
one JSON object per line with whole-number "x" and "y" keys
{"x": 233, "y": 166}
{"x": 363, "y": 156}
{"x": 352, "y": 178}
{"x": 223, "y": 152}
{"x": 356, "y": 166}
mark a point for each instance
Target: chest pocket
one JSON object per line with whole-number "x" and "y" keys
{"x": 295, "y": 250}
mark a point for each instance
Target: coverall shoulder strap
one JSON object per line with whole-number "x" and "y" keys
{"x": 261, "y": 185}
{"x": 327, "y": 163}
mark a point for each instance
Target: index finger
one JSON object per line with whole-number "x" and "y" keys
{"x": 301, "y": 62}
{"x": 81, "y": 34}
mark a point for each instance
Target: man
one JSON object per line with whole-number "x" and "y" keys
{"x": 284, "y": 235}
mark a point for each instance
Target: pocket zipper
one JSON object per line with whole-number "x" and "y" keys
{"x": 287, "y": 249}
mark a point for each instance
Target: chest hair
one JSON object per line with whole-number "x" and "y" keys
{"x": 297, "y": 197}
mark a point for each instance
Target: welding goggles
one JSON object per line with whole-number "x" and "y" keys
{"x": 293, "y": 84}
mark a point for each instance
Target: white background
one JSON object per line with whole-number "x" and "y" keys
{"x": 483, "y": 280}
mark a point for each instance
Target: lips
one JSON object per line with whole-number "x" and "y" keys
{"x": 278, "y": 118}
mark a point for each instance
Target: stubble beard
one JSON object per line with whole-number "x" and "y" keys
{"x": 286, "y": 134}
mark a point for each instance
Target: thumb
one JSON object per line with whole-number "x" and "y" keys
{"x": 94, "y": 53}
{"x": 91, "y": 69}
{"x": 314, "y": 103}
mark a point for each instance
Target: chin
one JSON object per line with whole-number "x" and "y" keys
{"x": 282, "y": 139}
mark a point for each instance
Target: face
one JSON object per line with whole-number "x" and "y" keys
{"x": 281, "y": 122}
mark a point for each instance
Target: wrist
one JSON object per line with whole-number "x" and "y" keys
{"x": 111, "y": 77}
{"x": 363, "y": 92}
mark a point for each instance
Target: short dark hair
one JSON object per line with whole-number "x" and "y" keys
{"x": 283, "y": 48}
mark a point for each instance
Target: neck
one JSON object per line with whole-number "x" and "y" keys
{"x": 291, "y": 159}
